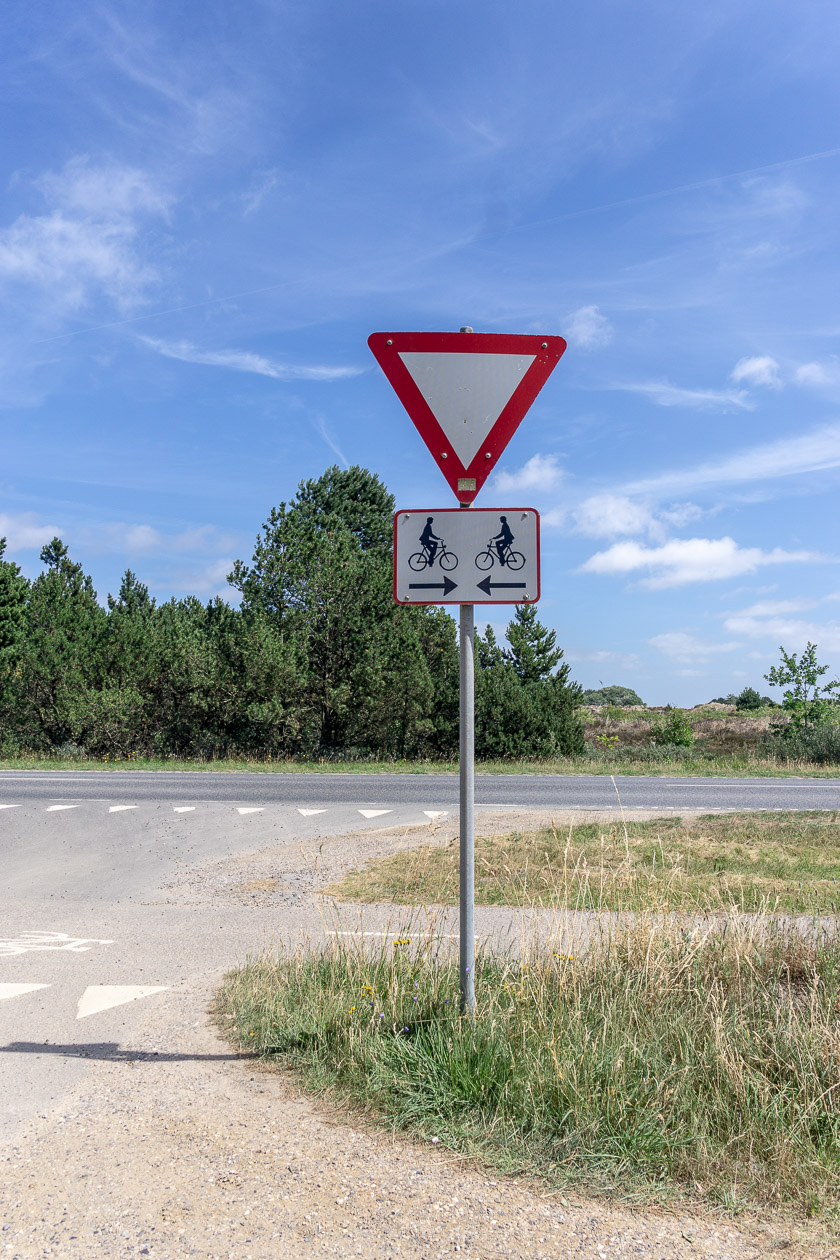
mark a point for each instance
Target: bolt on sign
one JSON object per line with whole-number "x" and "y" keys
{"x": 466, "y": 393}
{"x": 484, "y": 556}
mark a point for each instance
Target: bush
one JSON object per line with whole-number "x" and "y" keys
{"x": 676, "y": 730}
{"x": 748, "y": 699}
{"x": 820, "y": 744}
{"x": 624, "y": 697}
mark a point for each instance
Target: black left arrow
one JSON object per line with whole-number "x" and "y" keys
{"x": 487, "y": 586}
{"x": 446, "y": 586}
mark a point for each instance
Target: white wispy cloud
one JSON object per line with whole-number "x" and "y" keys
{"x": 245, "y": 361}
{"x": 666, "y": 395}
{"x": 792, "y": 633}
{"x": 679, "y": 645}
{"x": 606, "y": 515}
{"x": 209, "y": 580}
{"x": 759, "y": 370}
{"x": 587, "y": 329}
{"x": 816, "y": 451}
{"x": 541, "y": 474}
{"x": 23, "y": 531}
{"x": 817, "y": 375}
{"x": 685, "y": 560}
{"x": 603, "y": 656}
{"x": 87, "y": 243}
{"x": 144, "y": 539}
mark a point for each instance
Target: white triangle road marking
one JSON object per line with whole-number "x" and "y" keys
{"x": 183, "y": 809}
{"x": 51, "y": 809}
{"x": 374, "y": 813}
{"x": 17, "y": 990}
{"x": 118, "y": 809}
{"x": 250, "y": 809}
{"x": 307, "y": 813}
{"x": 9, "y": 806}
{"x": 466, "y": 392}
{"x": 435, "y": 813}
{"x": 101, "y": 997}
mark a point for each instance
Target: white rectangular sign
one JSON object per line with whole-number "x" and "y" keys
{"x": 467, "y": 556}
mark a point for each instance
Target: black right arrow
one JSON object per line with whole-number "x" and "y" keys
{"x": 487, "y": 586}
{"x": 446, "y": 586}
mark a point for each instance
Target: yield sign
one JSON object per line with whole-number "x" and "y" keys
{"x": 466, "y": 393}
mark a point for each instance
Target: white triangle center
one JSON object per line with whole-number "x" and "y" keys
{"x": 250, "y": 809}
{"x": 466, "y": 392}
{"x": 307, "y": 813}
{"x": 374, "y": 813}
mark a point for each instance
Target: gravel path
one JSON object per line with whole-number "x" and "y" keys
{"x": 182, "y": 1147}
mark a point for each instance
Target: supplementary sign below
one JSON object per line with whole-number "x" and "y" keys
{"x": 481, "y": 556}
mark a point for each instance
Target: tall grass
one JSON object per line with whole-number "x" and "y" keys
{"x": 661, "y": 1060}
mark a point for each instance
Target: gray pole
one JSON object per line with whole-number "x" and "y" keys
{"x": 467, "y": 810}
{"x": 467, "y": 768}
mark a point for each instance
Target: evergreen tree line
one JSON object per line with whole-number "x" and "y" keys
{"x": 318, "y": 661}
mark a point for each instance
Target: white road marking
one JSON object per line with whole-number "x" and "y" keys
{"x": 374, "y": 813}
{"x": 28, "y": 941}
{"x": 9, "y": 806}
{"x": 183, "y": 809}
{"x": 307, "y": 813}
{"x": 251, "y": 809}
{"x": 435, "y": 813}
{"x": 17, "y": 990}
{"x": 101, "y": 997}
{"x": 118, "y": 809}
{"x": 51, "y": 809}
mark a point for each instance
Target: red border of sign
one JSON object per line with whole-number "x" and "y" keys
{"x": 423, "y": 603}
{"x": 386, "y": 349}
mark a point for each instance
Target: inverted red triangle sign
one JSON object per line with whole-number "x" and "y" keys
{"x": 466, "y": 393}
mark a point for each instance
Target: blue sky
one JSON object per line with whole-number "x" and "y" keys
{"x": 209, "y": 207}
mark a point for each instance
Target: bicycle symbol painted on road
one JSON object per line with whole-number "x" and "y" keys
{"x": 47, "y": 940}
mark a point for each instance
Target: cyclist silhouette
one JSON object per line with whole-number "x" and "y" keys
{"x": 503, "y": 539}
{"x": 429, "y": 541}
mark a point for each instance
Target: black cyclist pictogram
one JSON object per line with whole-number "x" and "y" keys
{"x": 433, "y": 547}
{"x": 500, "y": 547}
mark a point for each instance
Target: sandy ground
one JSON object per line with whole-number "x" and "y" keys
{"x": 183, "y": 1147}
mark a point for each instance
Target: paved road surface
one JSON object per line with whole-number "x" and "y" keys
{"x": 433, "y": 791}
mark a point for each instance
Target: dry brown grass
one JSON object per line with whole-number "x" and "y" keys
{"x": 785, "y": 861}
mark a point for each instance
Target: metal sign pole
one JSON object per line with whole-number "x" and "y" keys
{"x": 467, "y": 802}
{"x": 467, "y": 769}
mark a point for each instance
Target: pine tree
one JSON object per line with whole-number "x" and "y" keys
{"x": 533, "y": 649}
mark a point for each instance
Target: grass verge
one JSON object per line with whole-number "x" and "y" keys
{"x": 655, "y": 763}
{"x": 755, "y": 861}
{"x": 661, "y": 1063}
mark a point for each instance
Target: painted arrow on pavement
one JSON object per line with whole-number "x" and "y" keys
{"x": 446, "y": 586}
{"x": 487, "y": 586}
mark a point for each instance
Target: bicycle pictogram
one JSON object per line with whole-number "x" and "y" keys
{"x": 433, "y": 546}
{"x": 500, "y": 548}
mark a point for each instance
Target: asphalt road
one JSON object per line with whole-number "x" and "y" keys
{"x": 433, "y": 791}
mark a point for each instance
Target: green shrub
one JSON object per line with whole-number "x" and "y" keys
{"x": 676, "y": 730}
{"x": 748, "y": 699}
{"x": 820, "y": 744}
